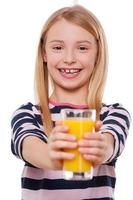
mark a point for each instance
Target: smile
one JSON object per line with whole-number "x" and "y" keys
{"x": 70, "y": 71}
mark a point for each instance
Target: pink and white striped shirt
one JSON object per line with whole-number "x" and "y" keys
{"x": 39, "y": 184}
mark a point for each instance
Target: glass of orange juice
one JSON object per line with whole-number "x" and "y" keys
{"x": 79, "y": 121}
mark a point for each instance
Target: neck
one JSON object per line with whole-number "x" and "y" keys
{"x": 74, "y": 97}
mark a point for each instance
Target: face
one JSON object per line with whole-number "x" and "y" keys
{"x": 70, "y": 53}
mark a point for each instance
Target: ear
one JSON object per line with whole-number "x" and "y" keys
{"x": 44, "y": 57}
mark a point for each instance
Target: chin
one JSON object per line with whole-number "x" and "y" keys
{"x": 71, "y": 88}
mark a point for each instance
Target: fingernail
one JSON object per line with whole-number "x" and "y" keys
{"x": 73, "y": 137}
{"x": 75, "y": 144}
{"x": 80, "y": 149}
{"x": 80, "y": 142}
{"x": 86, "y": 135}
{"x": 66, "y": 127}
{"x": 72, "y": 155}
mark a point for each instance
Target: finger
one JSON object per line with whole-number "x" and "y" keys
{"x": 93, "y": 136}
{"x": 90, "y": 143}
{"x": 62, "y": 137}
{"x": 58, "y": 122}
{"x": 95, "y": 160}
{"x": 60, "y": 128}
{"x": 98, "y": 125}
{"x": 63, "y": 145}
{"x": 57, "y": 155}
{"x": 91, "y": 151}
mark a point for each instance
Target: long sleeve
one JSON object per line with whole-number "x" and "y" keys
{"x": 26, "y": 121}
{"x": 38, "y": 184}
{"x": 116, "y": 120}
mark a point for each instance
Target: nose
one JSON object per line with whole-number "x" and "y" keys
{"x": 69, "y": 56}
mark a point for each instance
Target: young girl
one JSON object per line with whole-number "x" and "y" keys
{"x": 72, "y": 54}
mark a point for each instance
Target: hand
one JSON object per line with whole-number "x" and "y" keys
{"x": 58, "y": 141}
{"x": 96, "y": 147}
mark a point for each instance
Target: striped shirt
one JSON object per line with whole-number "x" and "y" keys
{"x": 39, "y": 184}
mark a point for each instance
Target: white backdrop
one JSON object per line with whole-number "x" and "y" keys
{"x": 20, "y": 25}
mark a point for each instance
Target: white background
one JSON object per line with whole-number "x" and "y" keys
{"x": 20, "y": 25}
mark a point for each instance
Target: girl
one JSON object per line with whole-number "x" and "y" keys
{"x": 72, "y": 54}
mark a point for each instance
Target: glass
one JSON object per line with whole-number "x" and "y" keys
{"x": 79, "y": 121}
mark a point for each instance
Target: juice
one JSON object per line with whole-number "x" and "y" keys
{"x": 78, "y": 127}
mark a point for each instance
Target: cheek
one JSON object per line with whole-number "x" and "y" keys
{"x": 53, "y": 59}
{"x": 89, "y": 62}
{"x": 52, "y": 64}
{"x": 92, "y": 60}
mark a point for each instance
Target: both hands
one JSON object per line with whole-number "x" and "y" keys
{"x": 95, "y": 147}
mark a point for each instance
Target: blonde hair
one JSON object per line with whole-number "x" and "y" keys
{"x": 85, "y": 19}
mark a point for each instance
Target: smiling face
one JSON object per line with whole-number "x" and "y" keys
{"x": 70, "y": 53}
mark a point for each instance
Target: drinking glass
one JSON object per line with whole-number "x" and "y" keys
{"x": 79, "y": 121}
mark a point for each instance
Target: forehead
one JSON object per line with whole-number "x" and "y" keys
{"x": 64, "y": 29}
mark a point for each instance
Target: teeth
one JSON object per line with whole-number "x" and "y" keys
{"x": 69, "y": 71}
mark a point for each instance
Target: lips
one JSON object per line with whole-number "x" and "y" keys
{"x": 70, "y": 71}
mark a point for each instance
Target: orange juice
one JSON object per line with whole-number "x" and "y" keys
{"x": 78, "y": 127}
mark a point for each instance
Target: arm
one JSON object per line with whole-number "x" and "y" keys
{"x": 107, "y": 144}
{"x": 49, "y": 155}
{"x": 30, "y": 143}
{"x": 117, "y": 123}
{"x": 35, "y": 152}
{"x": 96, "y": 147}
{"x": 27, "y": 130}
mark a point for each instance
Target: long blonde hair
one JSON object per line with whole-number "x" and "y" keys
{"x": 85, "y": 19}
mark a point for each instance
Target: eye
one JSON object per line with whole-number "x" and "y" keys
{"x": 57, "y": 48}
{"x": 83, "y": 48}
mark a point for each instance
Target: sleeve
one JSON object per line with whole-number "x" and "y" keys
{"x": 25, "y": 122}
{"x": 116, "y": 121}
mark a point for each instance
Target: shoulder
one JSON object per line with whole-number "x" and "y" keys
{"x": 115, "y": 106}
{"x": 28, "y": 107}
{"x": 114, "y": 110}
{"x": 27, "y": 111}
{"x": 109, "y": 107}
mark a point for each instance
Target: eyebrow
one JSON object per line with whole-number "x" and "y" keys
{"x": 81, "y": 41}
{"x": 84, "y": 41}
{"x": 60, "y": 41}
